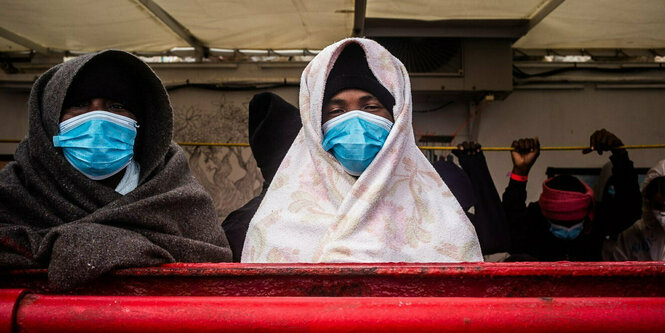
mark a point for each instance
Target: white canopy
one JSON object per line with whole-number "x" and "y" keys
{"x": 600, "y": 24}
{"x": 156, "y": 26}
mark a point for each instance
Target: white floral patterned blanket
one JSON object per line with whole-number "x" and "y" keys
{"x": 398, "y": 210}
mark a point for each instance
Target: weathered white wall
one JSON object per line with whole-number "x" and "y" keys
{"x": 568, "y": 118}
{"x": 229, "y": 174}
{"x": 14, "y": 115}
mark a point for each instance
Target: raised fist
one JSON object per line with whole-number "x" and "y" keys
{"x": 604, "y": 140}
{"x": 525, "y": 153}
{"x": 467, "y": 148}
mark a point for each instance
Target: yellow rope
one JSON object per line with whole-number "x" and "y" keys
{"x": 214, "y": 144}
{"x": 545, "y": 148}
{"x": 236, "y": 144}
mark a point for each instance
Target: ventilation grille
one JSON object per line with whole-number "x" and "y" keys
{"x": 424, "y": 55}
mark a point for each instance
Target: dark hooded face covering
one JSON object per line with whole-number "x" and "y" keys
{"x": 273, "y": 125}
{"x": 100, "y": 144}
{"x": 104, "y": 77}
{"x": 117, "y": 76}
{"x": 58, "y": 218}
{"x": 351, "y": 71}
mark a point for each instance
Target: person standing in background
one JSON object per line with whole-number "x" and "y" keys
{"x": 273, "y": 124}
{"x": 645, "y": 239}
{"x": 567, "y": 223}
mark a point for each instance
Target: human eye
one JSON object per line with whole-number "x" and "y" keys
{"x": 80, "y": 104}
{"x": 117, "y": 106}
{"x": 373, "y": 107}
{"x": 336, "y": 111}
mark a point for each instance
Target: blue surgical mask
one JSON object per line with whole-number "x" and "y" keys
{"x": 564, "y": 233}
{"x": 355, "y": 138}
{"x": 98, "y": 143}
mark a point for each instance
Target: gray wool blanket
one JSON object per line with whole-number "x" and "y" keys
{"x": 53, "y": 216}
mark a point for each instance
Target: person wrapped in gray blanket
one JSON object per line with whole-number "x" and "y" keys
{"x": 98, "y": 183}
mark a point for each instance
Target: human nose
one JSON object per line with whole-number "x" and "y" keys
{"x": 98, "y": 104}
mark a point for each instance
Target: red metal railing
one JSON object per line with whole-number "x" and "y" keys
{"x": 515, "y": 297}
{"x": 562, "y": 279}
{"x": 341, "y": 314}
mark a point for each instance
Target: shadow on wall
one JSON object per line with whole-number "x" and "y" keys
{"x": 229, "y": 174}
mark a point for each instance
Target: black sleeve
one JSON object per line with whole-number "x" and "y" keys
{"x": 514, "y": 206}
{"x": 489, "y": 219}
{"x": 236, "y": 224}
{"x": 622, "y": 200}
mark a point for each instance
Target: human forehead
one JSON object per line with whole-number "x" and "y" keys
{"x": 74, "y": 100}
{"x": 352, "y": 95}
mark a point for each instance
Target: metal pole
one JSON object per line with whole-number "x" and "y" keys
{"x": 65, "y": 313}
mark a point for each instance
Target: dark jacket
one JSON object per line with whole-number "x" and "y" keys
{"x": 474, "y": 187}
{"x": 530, "y": 233}
{"x": 56, "y": 217}
{"x": 489, "y": 219}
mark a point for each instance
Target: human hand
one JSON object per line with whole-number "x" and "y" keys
{"x": 467, "y": 148}
{"x": 604, "y": 140}
{"x": 525, "y": 153}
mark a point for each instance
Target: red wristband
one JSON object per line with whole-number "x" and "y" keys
{"x": 518, "y": 177}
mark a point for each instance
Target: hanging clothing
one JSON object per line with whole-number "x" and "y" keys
{"x": 474, "y": 187}
{"x": 645, "y": 239}
{"x": 52, "y": 215}
{"x": 397, "y": 210}
{"x": 459, "y": 184}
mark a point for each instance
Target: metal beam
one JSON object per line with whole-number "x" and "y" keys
{"x": 359, "y": 17}
{"x": 499, "y": 28}
{"x": 541, "y": 12}
{"x": 180, "y": 30}
{"x": 20, "y": 40}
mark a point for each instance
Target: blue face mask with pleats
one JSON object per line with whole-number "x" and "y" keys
{"x": 354, "y": 138}
{"x": 98, "y": 143}
{"x": 564, "y": 233}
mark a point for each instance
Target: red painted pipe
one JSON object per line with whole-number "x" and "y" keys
{"x": 202, "y": 314}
